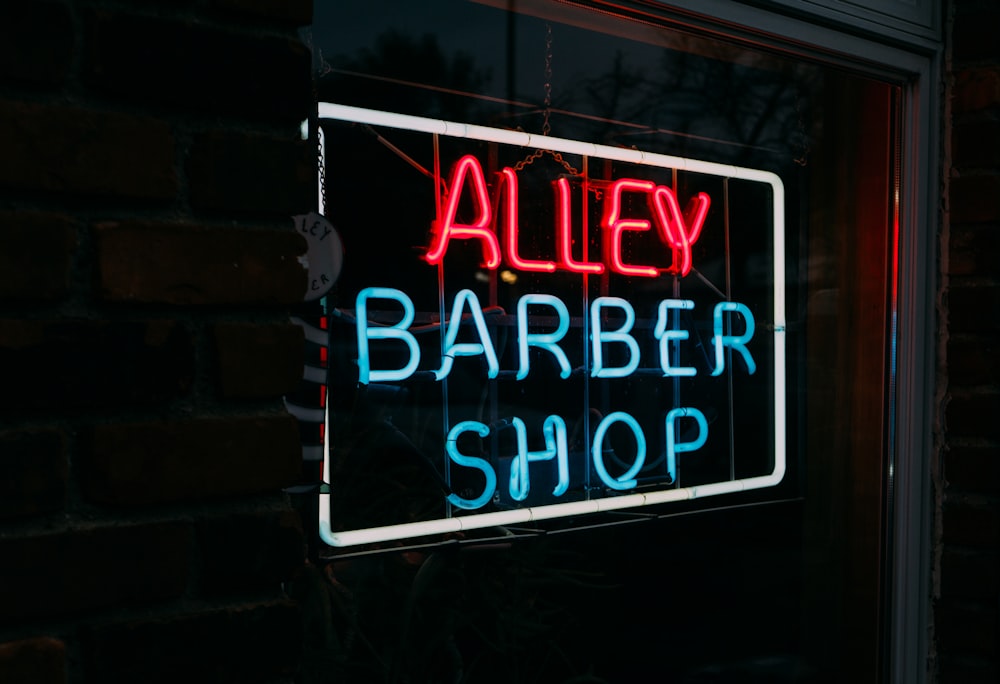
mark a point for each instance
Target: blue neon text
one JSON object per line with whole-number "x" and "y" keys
{"x": 603, "y": 334}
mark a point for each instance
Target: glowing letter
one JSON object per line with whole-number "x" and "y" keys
{"x": 554, "y": 430}
{"x": 453, "y": 348}
{"x": 673, "y": 446}
{"x": 625, "y": 480}
{"x": 546, "y": 341}
{"x": 598, "y": 337}
{"x": 471, "y": 462}
{"x": 617, "y": 225}
{"x": 563, "y": 237}
{"x": 680, "y": 231}
{"x": 732, "y": 341}
{"x": 398, "y": 331}
{"x": 665, "y": 336}
{"x": 509, "y": 178}
{"x": 448, "y": 229}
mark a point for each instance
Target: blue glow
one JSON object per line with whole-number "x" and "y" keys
{"x": 453, "y": 349}
{"x": 626, "y": 480}
{"x": 547, "y": 341}
{"x": 471, "y": 462}
{"x": 398, "y": 332}
{"x": 673, "y": 446}
{"x": 554, "y": 430}
{"x": 600, "y": 337}
{"x": 665, "y": 336}
{"x": 735, "y": 342}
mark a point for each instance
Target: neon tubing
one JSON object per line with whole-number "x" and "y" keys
{"x": 599, "y": 337}
{"x": 471, "y": 462}
{"x": 327, "y": 110}
{"x": 564, "y": 237}
{"x": 616, "y": 225}
{"x": 695, "y": 214}
{"x": 673, "y": 446}
{"x": 627, "y": 479}
{"x": 736, "y": 342}
{"x": 554, "y": 430}
{"x": 509, "y": 180}
{"x": 671, "y": 224}
{"x": 453, "y": 129}
{"x": 448, "y": 228}
{"x": 398, "y": 331}
{"x": 453, "y": 348}
{"x": 546, "y": 341}
{"x": 665, "y": 336}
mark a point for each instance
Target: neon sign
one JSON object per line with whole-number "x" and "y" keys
{"x": 678, "y": 231}
{"x": 616, "y": 304}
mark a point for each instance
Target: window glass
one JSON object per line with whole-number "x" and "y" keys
{"x": 755, "y": 352}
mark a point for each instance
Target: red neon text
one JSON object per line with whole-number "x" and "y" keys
{"x": 677, "y": 230}
{"x": 450, "y": 229}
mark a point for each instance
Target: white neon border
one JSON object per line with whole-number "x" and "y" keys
{"x": 329, "y": 110}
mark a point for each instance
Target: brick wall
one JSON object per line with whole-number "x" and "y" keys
{"x": 967, "y": 586}
{"x": 150, "y": 163}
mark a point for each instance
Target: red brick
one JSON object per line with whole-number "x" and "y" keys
{"x": 976, "y": 144}
{"x": 973, "y": 249}
{"x": 187, "y": 264}
{"x": 58, "y": 148}
{"x": 974, "y": 308}
{"x": 973, "y": 469}
{"x": 34, "y": 469}
{"x": 93, "y": 363}
{"x": 975, "y": 199}
{"x": 145, "y": 463}
{"x": 970, "y": 574}
{"x": 976, "y": 90}
{"x": 252, "y": 644}
{"x": 234, "y": 172}
{"x": 36, "y": 255}
{"x": 972, "y": 524}
{"x": 87, "y": 569}
{"x": 258, "y": 360}
{"x": 36, "y": 41}
{"x": 293, "y": 12}
{"x": 249, "y": 552}
{"x": 41, "y": 660}
{"x": 973, "y": 416}
{"x": 197, "y": 68}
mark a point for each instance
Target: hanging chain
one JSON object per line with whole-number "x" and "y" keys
{"x": 546, "y": 124}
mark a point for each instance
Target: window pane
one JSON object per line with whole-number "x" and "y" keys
{"x": 761, "y": 336}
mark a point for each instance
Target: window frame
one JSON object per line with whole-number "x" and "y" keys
{"x": 878, "y": 46}
{"x": 906, "y": 51}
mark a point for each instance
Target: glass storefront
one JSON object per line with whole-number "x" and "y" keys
{"x": 657, "y": 322}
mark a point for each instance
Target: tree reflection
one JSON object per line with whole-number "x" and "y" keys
{"x": 434, "y": 84}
